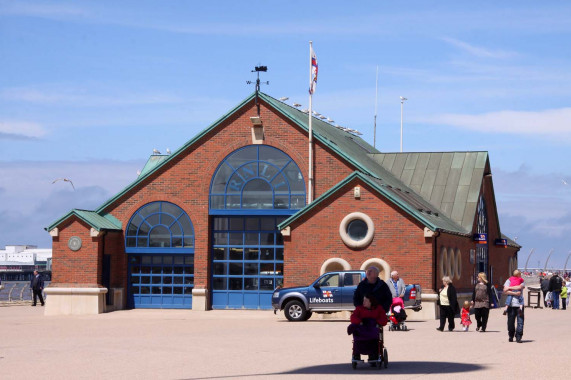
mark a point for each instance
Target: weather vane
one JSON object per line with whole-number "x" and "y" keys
{"x": 257, "y": 70}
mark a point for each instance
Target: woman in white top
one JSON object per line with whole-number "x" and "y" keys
{"x": 448, "y": 302}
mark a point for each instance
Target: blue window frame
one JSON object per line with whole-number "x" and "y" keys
{"x": 160, "y": 227}
{"x": 247, "y": 261}
{"x": 258, "y": 178}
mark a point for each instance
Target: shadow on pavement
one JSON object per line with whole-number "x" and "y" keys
{"x": 400, "y": 368}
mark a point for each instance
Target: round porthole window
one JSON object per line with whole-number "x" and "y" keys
{"x": 356, "y": 230}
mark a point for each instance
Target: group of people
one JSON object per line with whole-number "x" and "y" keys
{"x": 482, "y": 300}
{"x": 554, "y": 287}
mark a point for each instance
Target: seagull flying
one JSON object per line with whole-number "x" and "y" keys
{"x": 296, "y": 105}
{"x": 66, "y": 180}
{"x": 284, "y": 98}
{"x": 564, "y": 182}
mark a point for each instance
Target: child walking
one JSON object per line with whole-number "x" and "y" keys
{"x": 515, "y": 280}
{"x": 466, "y": 322}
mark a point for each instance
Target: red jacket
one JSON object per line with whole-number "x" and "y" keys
{"x": 378, "y": 313}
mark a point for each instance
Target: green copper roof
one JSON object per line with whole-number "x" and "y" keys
{"x": 438, "y": 189}
{"x": 95, "y": 220}
{"x": 450, "y": 181}
{"x": 153, "y": 161}
{"x": 351, "y": 147}
{"x": 409, "y": 202}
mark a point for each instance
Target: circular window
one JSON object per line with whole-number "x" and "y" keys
{"x": 356, "y": 230}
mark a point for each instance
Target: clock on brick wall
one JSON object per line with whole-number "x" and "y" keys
{"x": 74, "y": 243}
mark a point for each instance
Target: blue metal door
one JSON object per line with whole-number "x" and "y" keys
{"x": 161, "y": 281}
{"x": 247, "y": 262}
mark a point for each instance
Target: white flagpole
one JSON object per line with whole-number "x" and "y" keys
{"x": 310, "y": 184}
{"x": 376, "y": 101}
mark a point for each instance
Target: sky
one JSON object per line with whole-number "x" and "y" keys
{"x": 89, "y": 88}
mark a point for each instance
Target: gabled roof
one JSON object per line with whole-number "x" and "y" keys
{"x": 409, "y": 202}
{"x": 446, "y": 184}
{"x": 93, "y": 219}
{"x": 450, "y": 181}
{"x": 350, "y": 147}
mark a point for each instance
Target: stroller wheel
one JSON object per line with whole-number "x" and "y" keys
{"x": 385, "y": 357}
{"x": 405, "y": 328}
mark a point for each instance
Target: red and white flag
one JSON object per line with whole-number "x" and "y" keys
{"x": 313, "y": 76}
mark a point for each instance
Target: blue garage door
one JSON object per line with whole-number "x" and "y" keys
{"x": 161, "y": 281}
{"x": 253, "y": 190}
{"x": 247, "y": 262}
{"x": 160, "y": 243}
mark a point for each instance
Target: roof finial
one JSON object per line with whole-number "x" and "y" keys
{"x": 257, "y": 70}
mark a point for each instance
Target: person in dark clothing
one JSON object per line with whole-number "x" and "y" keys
{"x": 544, "y": 283}
{"x": 374, "y": 285}
{"x": 37, "y": 285}
{"x": 448, "y": 302}
{"x": 555, "y": 284}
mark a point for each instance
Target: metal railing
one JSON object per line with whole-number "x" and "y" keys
{"x": 15, "y": 293}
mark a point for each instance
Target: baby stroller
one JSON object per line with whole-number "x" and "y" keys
{"x": 368, "y": 340}
{"x": 397, "y": 316}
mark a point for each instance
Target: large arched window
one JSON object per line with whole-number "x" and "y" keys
{"x": 482, "y": 228}
{"x": 159, "y": 226}
{"x": 257, "y": 177}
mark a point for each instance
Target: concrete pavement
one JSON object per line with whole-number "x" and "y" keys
{"x": 175, "y": 344}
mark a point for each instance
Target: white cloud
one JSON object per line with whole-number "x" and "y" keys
{"x": 479, "y": 51}
{"x": 82, "y": 97}
{"x": 553, "y": 122}
{"x": 16, "y": 129}
{"x": 29, "y": 201}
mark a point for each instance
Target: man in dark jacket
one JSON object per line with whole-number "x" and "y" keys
{"x": 373, "y": 284}
{"x": 37, "y": 285}
{"x": 544, "y": 283}
{"x": 555, "y": 284}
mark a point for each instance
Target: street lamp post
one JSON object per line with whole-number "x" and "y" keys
{"x": 402, "y": 99}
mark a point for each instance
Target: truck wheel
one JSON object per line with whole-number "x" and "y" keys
{"x": 308, "y": 315}
{"x": 295, "y": 311}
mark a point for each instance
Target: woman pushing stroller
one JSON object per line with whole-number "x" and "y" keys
{"x": 365, "y": 322}
{"x": 372, "y": 298}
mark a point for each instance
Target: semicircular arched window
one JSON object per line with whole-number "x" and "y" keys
{"x": 257, "y": 177}
{"x": 159, "y": 226}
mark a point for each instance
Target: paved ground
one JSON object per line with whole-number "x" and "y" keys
{"x": 152, "y": 344}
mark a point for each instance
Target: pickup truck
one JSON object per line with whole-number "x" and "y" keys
{"x": 330, "y": 293}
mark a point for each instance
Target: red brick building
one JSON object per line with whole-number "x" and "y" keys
{"x": 225, "y": 219}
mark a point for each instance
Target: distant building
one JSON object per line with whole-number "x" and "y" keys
{"x": 228, "y": 217}
{"x": 18, "y": 262}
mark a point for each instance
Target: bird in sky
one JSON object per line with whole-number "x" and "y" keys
{"x": 66, "y": 180}
{"x": 564, "y": 182}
